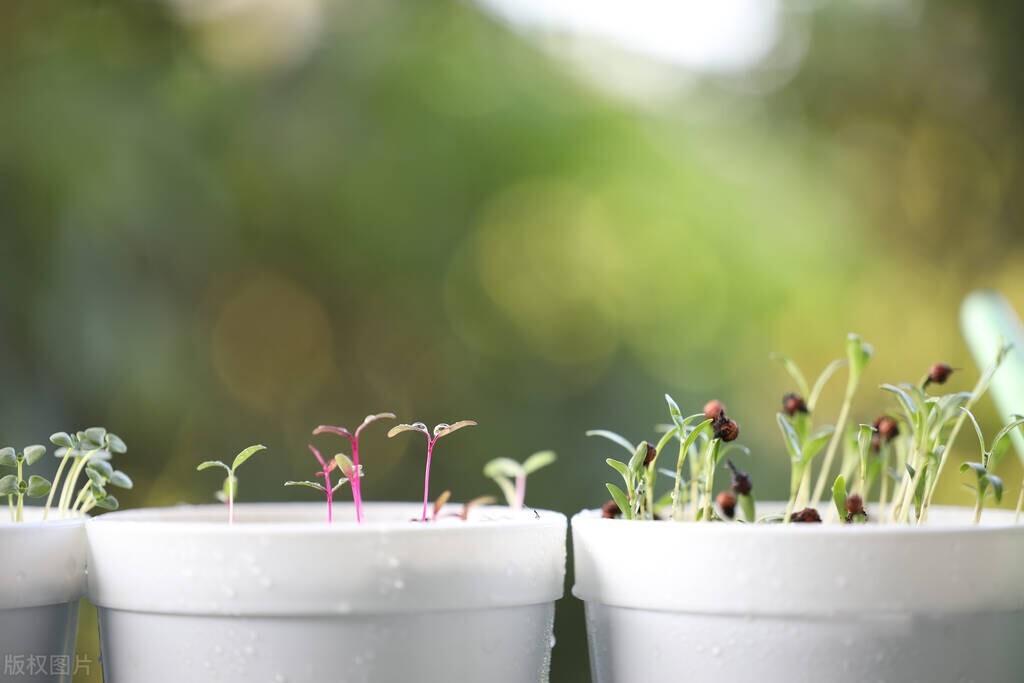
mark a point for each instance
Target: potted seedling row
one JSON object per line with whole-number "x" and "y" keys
{"x": 856, "y": 577}
{"x": 43, "y": 567}
{"x": 313, "y": 592}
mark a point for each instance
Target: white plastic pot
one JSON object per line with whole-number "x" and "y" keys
{"x": 666, "y": 601}
{"x": 42, "y": 578}
{"x": 281, "y": 596}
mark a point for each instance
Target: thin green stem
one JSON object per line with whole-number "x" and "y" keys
{"x": 72, "y": 480}
{"x": 977, "y": 509}
{"x": 56, "y": 482}
{"x": 677, "y": 487}
{"x": 21, "y": 496}
{"x": 709, "y": 479}
{"x": 796, "y": 478}
{"x": 833, "y": 444}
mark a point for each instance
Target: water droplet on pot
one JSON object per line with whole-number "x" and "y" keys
{"x": 266, "y": 582}
{"x": 399, "y": 584}
{"x": 393, "y": 562}
{"x": 715, "y": 651}
{"x": 551, "y": 641}
{"x": 279, "y": 678}
{"x": 343, "y": 608}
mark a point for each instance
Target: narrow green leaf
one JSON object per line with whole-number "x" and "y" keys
{"x": 307, "y": 484}
{"x": 621, "y": 468}
{"x": 1016, "y": 422}
{"x": 977, "y": 428}
{"x": 858, "y": 353}
{"x": 245, "y": 455}
{"x": 636, "y": 462}
{"x": 839, "y": 495}
{"x": 539, "y": 460}
{"x": 789, "y": 437}
{"x": 794, "y": 372}
{"x": 619, "y": 496}
{"x": 908, "y": 404}
{"x": 613, "y": 437}
{"x": 997, "y": 486}
{"x": 817, "y": 442}
{"x": 823, "y": 379}
{"x": 211, "y": 463}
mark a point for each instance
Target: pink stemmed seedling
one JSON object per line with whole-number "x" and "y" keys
{"x": 229, "y": 489}
{"x": 440, "y": 430}
{"x": 510, "y": 476}
{"x": 353, "y": 439}
{"x": 340, "y": 462}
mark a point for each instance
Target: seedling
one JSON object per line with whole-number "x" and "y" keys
{"x": 985, "y": 481}
{"x": 707, "y": 441}
{"x": 229, "y": 489}
{"x": 340, "y": 462}
{"x": 510, "y": 476}
{"x": 440, "y": 431}
{"x": 743, "y": 489}
{"x": 353, "y": 439}
{"x": 88, "y": 451}
{"x": 15, "y": 486}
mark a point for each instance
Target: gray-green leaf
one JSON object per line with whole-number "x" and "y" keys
{"x": 8, "y": 458}
{"x": 539, "y": 460}
{"x": 37, "y": 486}
{"x": 245, "y": 455}
{"x": 8, "y": 485}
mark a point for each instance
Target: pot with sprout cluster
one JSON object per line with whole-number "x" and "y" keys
{"x": 686, "y": 601}
{"x": 281, "y": 595}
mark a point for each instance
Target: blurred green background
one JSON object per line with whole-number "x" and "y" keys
{"x": 226, "y": 222}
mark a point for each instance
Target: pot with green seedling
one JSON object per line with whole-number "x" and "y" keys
{"x": 332, "y": 590}
{"x": 43, "y": 557}
{"x": 860, "y": 578}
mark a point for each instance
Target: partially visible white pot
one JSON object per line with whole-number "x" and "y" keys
{"x": 943, "y": 603}
{"x": 281, "y": 596}
{"x": 42, "y": 578}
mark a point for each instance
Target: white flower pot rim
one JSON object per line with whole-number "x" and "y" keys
{"x": 152, "y": 561}
{"x": 942, "y": 519}
{"x": 44, "y": 561}
{"x": 212, "y": 519}
{"x": 948, "y": 565}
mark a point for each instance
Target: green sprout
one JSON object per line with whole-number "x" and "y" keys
{"x": 985, "y": 481}
{"x": 510, "y": 476}
{"x": 89, "y": 451}
{"x": 229, "y": 489}
{"x": 803, "y": 442}
{"x": 15, "y": 486}
{"x": 704, "y": 442}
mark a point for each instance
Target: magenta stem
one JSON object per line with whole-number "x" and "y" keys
{"x": 520, "y": 491}
{"x": 426, "y": 478}
{"x": 357, "y": 484}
